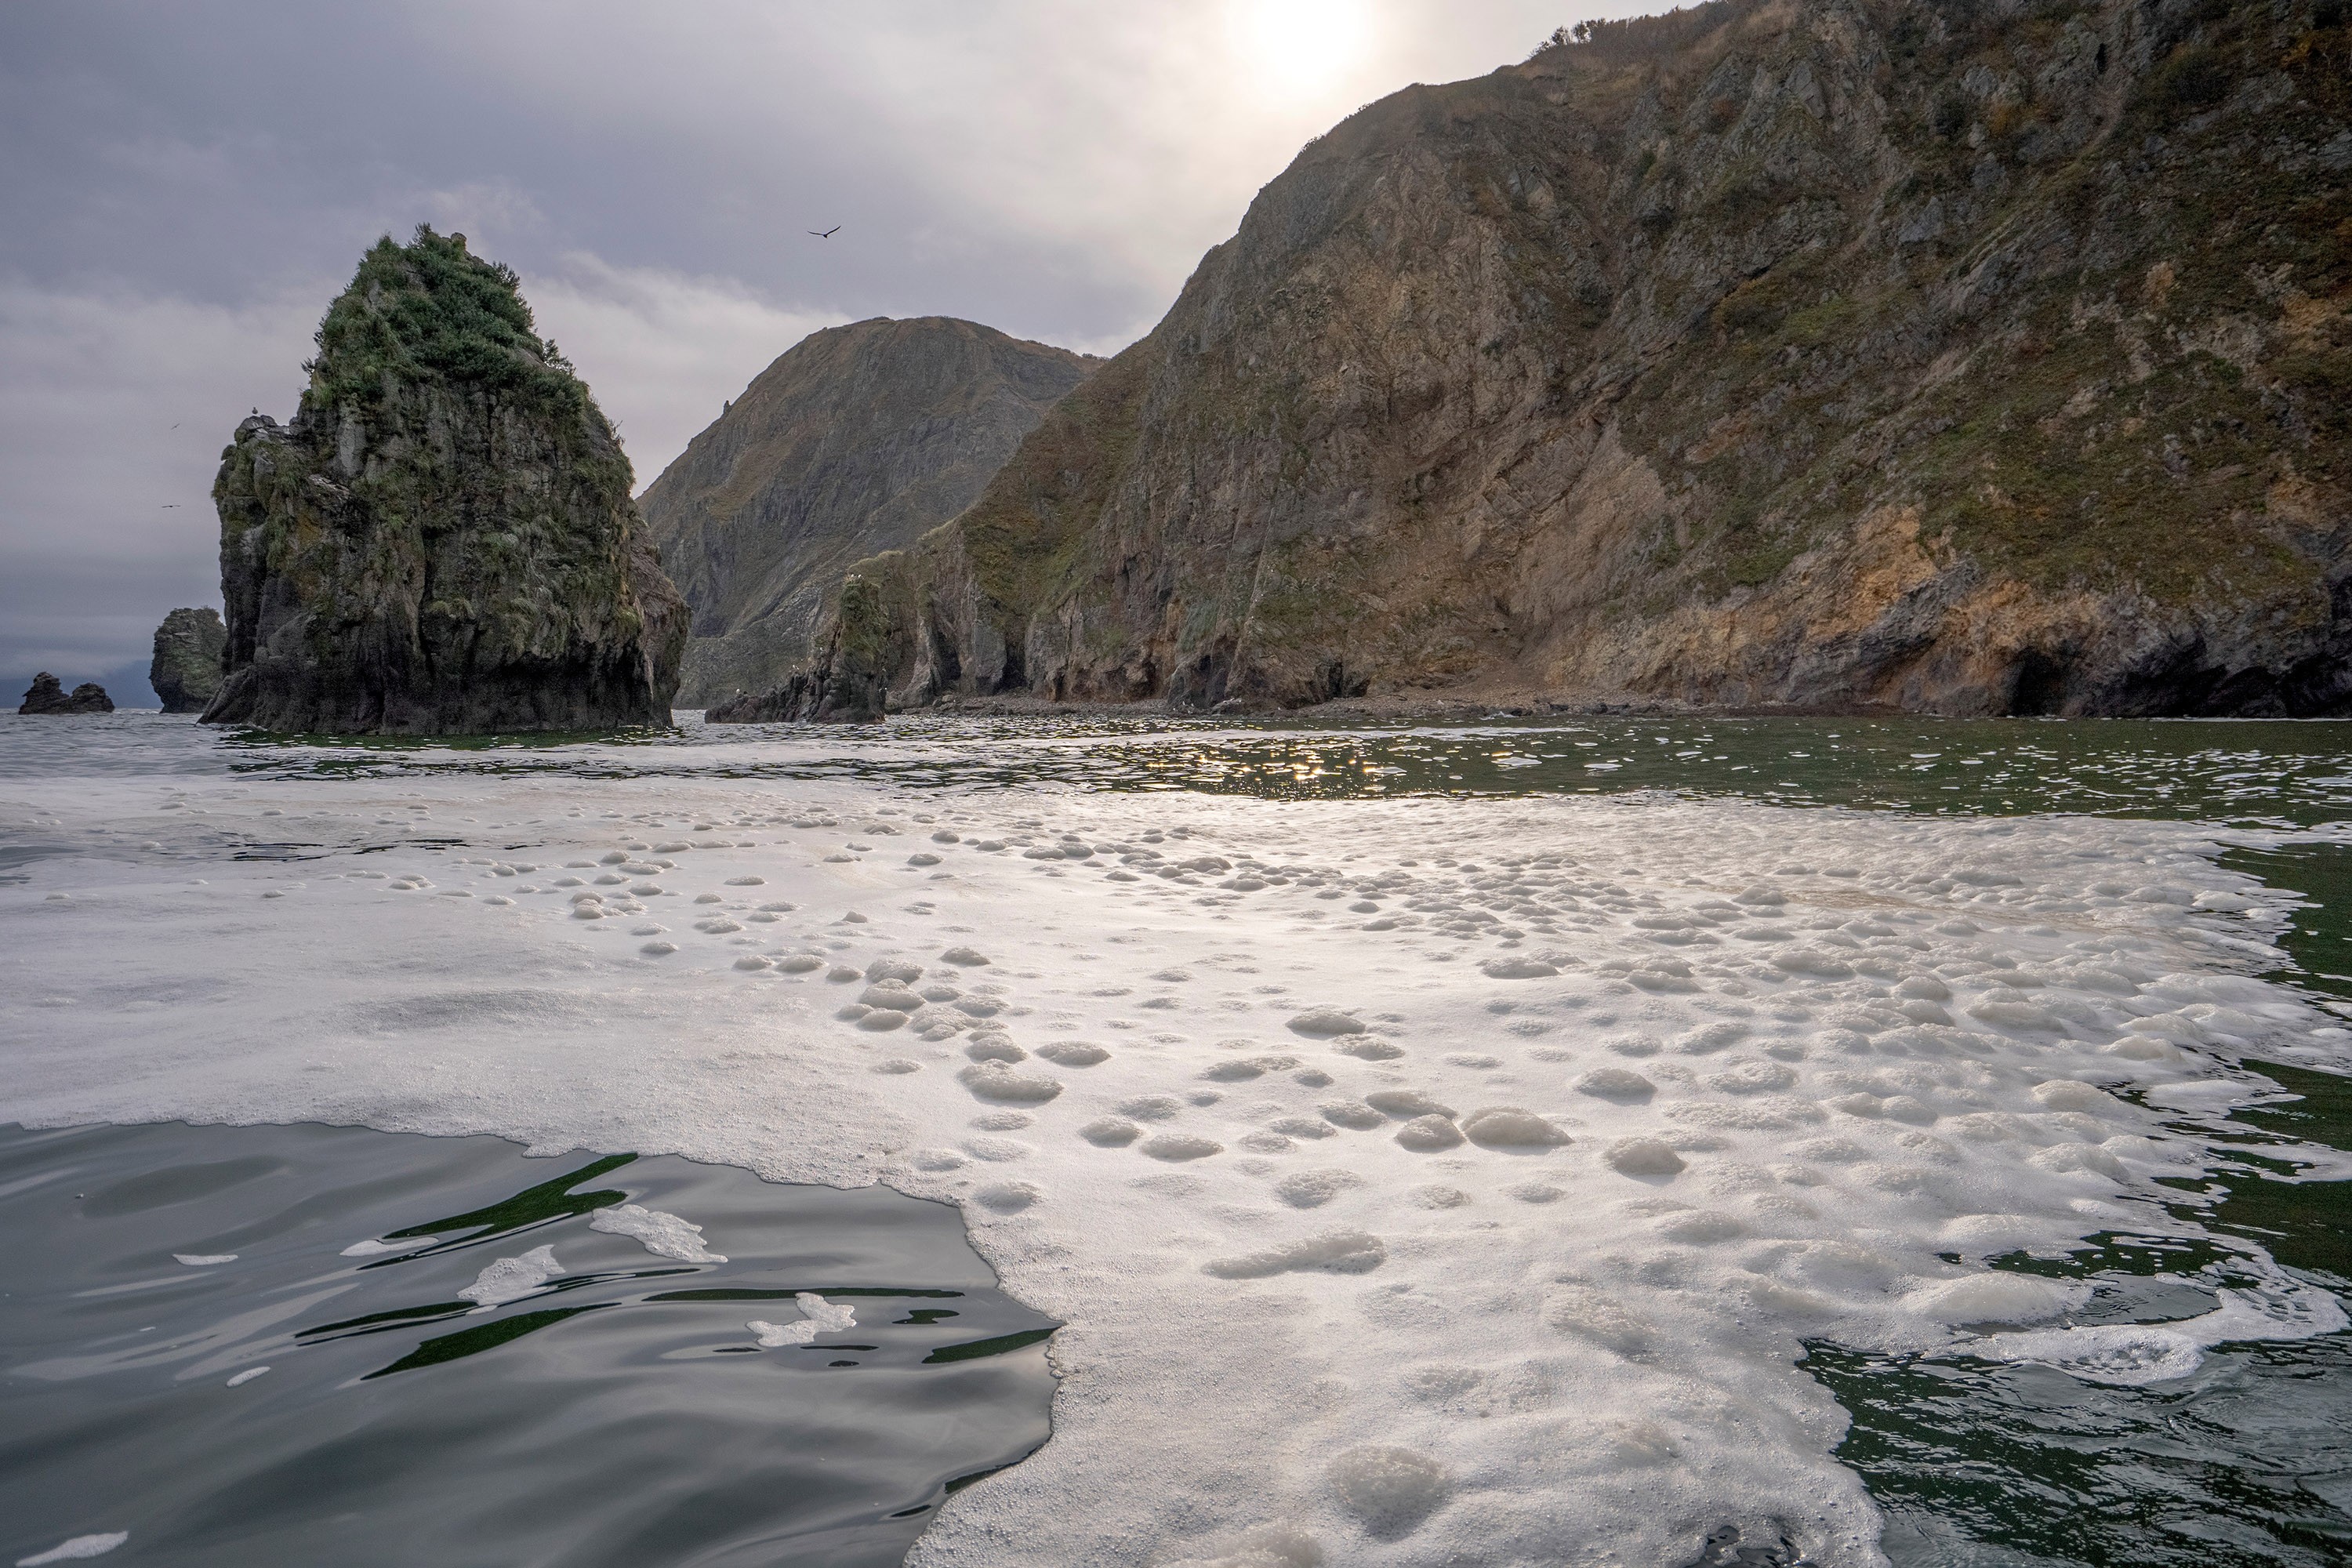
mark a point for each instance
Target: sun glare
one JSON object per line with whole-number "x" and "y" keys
{"x": 1298, "y": 46}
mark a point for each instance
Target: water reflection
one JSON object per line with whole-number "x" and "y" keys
{"x": 244, "y": 1346}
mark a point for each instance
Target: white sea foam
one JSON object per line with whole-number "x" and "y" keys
{"x": 663, "y": 1235}
{"x": 376, "y": 1249}
{"x": 1751, "y": 1105}
{"x": 818, "y": 1316}
{"x": 512, "y": 1279}
{"x": 74, "y": 1550}
{"x": 204, "y": 1259}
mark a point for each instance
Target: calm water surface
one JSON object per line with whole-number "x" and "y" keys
{"x": 618, "y": 1412}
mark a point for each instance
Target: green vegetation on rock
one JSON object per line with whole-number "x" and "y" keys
{"x": 443, "y": 540}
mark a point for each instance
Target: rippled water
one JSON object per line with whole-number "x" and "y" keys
{"x": 2254, "y": 770}
{"x": 2246, "y": 1461}
{"x": 195, "y": 1356}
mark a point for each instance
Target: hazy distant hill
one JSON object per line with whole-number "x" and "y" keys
{"x": 1959, "y": 358}
{"x": 857, "y": 439}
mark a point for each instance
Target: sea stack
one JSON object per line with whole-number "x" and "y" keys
{"x": 857, "y": 439}
{"x": 186, "y": 669}
{"x": 49, "y": 695}
{"x": 442, "y": 540}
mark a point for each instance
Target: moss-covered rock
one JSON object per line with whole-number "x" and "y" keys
{"x": 442, "y": 540}
{"x": 186, "y": 669}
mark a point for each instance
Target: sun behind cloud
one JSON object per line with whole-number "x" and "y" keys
{"x": 1299, "y": 46}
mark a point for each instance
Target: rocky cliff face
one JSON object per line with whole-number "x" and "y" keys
{"x": 186, "y": 669}
{"x": 859, "y": 439}
{"x": 1959, "y": 358}
{"x": 442, "y": 540}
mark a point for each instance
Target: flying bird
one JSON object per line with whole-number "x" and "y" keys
{"x": 827, "y": 234}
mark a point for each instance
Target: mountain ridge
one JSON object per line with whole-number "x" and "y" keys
{"x": 859, "y": 438}
{"x": 1820, "y": 353}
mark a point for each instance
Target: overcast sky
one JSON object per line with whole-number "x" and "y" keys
{"x": 188, "y": 183}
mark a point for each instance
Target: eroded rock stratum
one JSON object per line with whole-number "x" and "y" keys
{"x": 442, "y": 540}
{"x": 1830, "y": 353}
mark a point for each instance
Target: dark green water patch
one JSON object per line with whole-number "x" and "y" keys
{"x": 2245, "y": 1463}
{"x": 603, "y": 1415}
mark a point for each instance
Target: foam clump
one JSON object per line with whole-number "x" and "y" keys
{"x": 512, "y": 1279}
{"x": 1427, "y": 1134}
{"x": 1508, "y": 1126}
{"x": 819, "y": 1316}
{"x": 1643, "y": 1157}
{"x": 1620, "y": 1084}
{"x": 1995, "y": 1298}
{"x": 1180, "y": 1146}
{"x": 1325, "y": 1022}
{"x": 1589, "y": 1313}
{"x": 1312, "y": 1189}
{"x": 1339, "y": 1252}
{"x": 1391, "y": 1490}
{"x": 663, "y": 1235}
{"x": 81, "y": 1547}
{"x": 993, "y": 1081}
{"x": 1007, "y": 1197}
{"x": 1275, "y": 1546}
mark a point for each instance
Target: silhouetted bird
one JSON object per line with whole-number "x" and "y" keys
{"x": 827, "y": 234}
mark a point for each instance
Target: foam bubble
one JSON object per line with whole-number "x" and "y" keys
{"x": 1428, "y": 1134}
{"x": 1643, "y": 1157}
{"x": 993, "y": 1081}
{"x": 1338, "y": 1252}
{"x": 1620, "y": 1084}
{"x": 1313, "y": 1189}
{"x": 512, "y": 1279}
{"x": 76, "y": 1549}
{"x": 663, "y": 1235}
{"x": 1180, "y": 1146}
{"x": 1392, "y": 1491}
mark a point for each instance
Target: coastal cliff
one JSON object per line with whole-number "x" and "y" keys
{"x": 442, "y": 540}
{"x": 1773, "y": 353}
{"x": 859, "y": 439}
